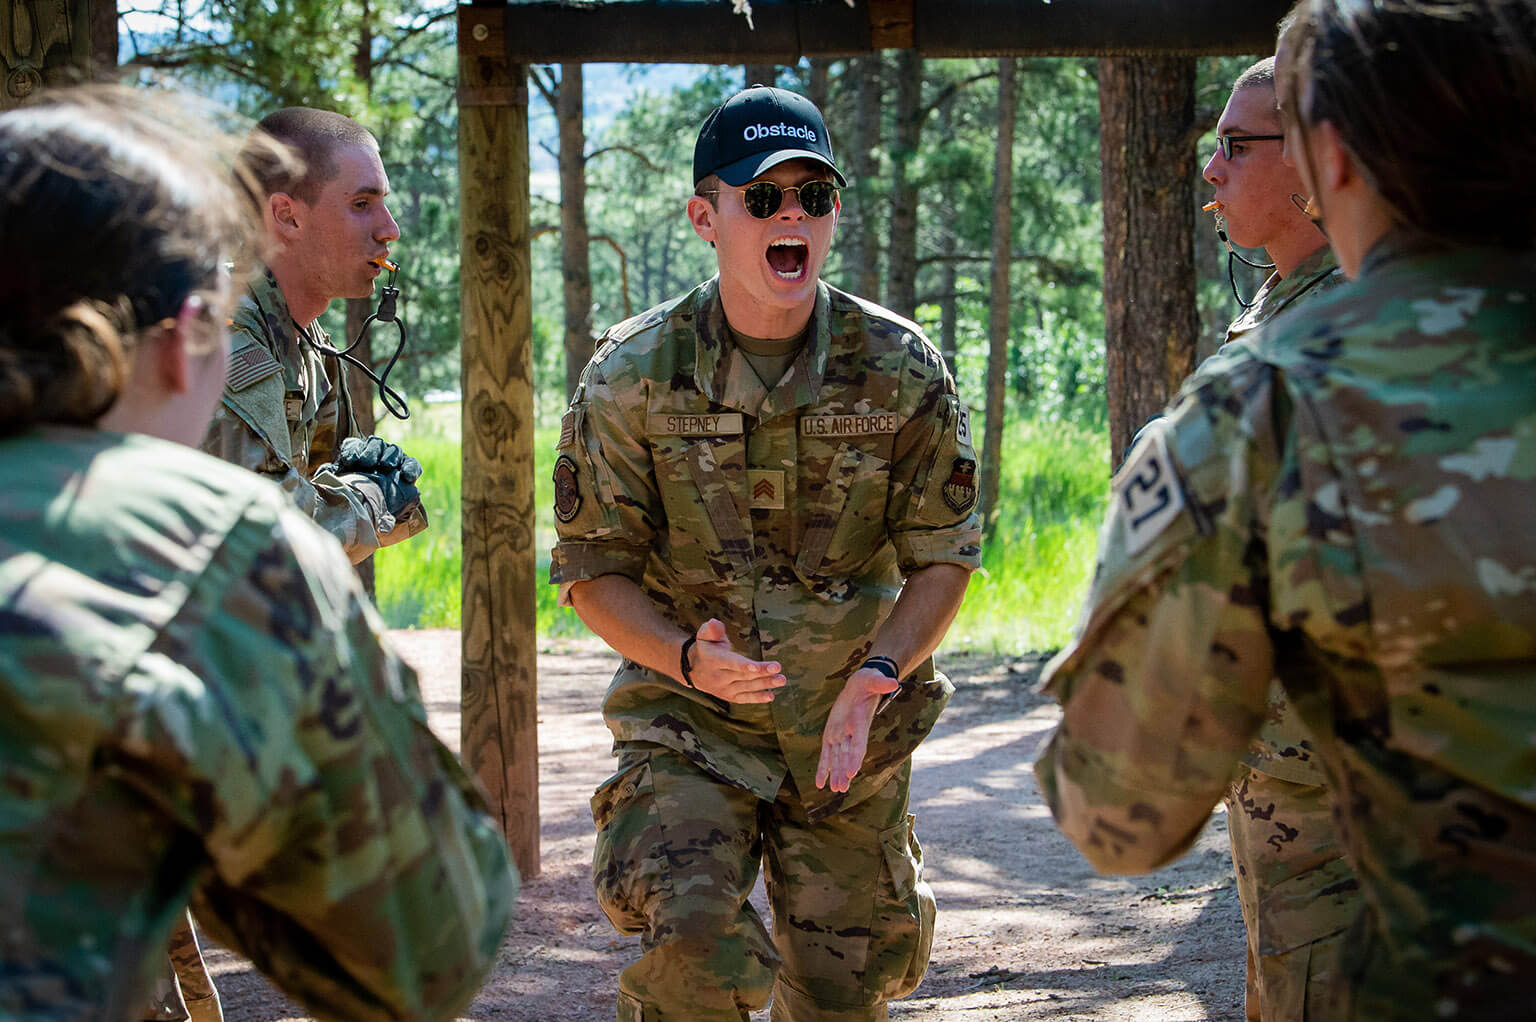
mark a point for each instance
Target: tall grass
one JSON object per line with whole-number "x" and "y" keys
{"x": 1036, "y": 566}
{"x": 1025, "y": 597}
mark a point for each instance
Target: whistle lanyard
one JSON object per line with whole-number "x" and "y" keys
{"x": 393, "y": 401}
{"x": 1232, "y": 254}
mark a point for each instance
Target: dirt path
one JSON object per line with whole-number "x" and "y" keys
{"x": 1026, "y": 929}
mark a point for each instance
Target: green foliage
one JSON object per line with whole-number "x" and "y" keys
{"x": 389, "y": 64}
{"x": 1025, "y": 597}
{"x": 416, "y": 582}
{"x": 1035, "y": 572}
{"x": 392, "y": 65}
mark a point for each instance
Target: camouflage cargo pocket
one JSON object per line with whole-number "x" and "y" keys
{"x": 846, "y": 524}
{"x": 902, "y": 937}
{"x": 629, "y": 862}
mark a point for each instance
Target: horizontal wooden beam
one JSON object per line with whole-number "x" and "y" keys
{"x": 964, "y": 28}
{"x": 782, "y": 31}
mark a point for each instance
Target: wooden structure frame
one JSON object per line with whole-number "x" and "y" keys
{"x": 49, "y": 42}
{"x": 497, "y": 40}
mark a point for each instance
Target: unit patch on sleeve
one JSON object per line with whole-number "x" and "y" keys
{"x": 1147, "y": 492}
{"x": 960, "y": 487}
{"x": 567, "y": 489}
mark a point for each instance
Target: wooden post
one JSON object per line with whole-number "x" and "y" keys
{"x": 51, "y": 42}
{"x": 498, "y": 735}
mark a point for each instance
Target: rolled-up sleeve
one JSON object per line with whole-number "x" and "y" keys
{"x": 607, "y": 507}
{"x": 249, "y": 429}
{"x": 931, "y": 514}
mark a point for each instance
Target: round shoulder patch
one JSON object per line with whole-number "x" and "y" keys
{"x": 567, "y": 488}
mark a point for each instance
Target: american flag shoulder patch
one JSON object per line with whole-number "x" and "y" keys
{"x": 250, "y": 366}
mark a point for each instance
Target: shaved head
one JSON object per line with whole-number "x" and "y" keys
{"x": 314, "y": 136}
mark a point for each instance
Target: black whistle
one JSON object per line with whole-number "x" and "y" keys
{"x": 387, "y": 299}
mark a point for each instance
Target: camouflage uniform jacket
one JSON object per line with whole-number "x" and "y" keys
{"x": 284, "y": 414}
{"x": 1345, "y": 503}
{"x": 196, "y": 703}
{"x": 1297, "y": 892}
{"x": 1282, "y": 749}
{"x": 792, "y": 516}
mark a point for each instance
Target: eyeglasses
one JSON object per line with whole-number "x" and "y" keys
{"x": 1224, "y": 142}
{"x": 763, "y": 198}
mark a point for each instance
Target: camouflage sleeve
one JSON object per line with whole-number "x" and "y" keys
{"x": 250, "y": 429}
{"x": 1166, "y": 680}
{"x": 352, "y": 859}
{"x": 931, "y": 511}
{"x": 607, "y": 506}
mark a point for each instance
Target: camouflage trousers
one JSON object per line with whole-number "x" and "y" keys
{"x": 1298, "y": 896}
{"x": 677, "y": 857}
{"x": 183, "y": 990}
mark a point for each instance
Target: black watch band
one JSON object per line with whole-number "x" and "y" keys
{"x": 885, "y": 665}
{"x": 683, "y": 661}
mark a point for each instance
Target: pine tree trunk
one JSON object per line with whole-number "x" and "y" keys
{"x": 359, "y": 387}
{"x": 759, "y": 74}
{"x": 949, "y": 311}
{"x": 863, "y": 168}
{"x": 902, "y": 297}
{"x": 818, "y": 85}
{"x": 1146, "y": 149}
{"x": 997, "y": 326}
{"x": 575, "y": 240}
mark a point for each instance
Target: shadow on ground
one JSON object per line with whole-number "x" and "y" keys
{"x": 1026, "y": 929}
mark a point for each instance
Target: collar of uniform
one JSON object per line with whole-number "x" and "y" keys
{"x": 1307, "y": 273}
{"x": 1279, "y": 292}
{"x": 717, "y": 377}
{"x": 274, "y": 308}
{"x": 1401, "y": 242}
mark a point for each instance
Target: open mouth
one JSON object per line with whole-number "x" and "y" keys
{"x": 788, "y": 258}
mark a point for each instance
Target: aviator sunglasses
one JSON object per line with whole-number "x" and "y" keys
{"x": 763, "y": 198}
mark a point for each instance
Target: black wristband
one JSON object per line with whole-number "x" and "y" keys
{"x": 683, "y": 661}
{"x": 885, "y": 665}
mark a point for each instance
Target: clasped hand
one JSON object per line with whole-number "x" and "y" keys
{"x": 718, "y": 670}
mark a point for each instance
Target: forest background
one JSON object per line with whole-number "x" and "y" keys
{"x": 944, "y": 204}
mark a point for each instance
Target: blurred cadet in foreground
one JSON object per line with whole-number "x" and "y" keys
{"x": 194, "y": 701}
{"x": 286, "y": 411}
{"x": 1297, "y": 892}
{"x": 1345, "y": 500}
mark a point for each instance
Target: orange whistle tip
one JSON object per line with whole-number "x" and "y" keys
{"x": 1211, "y": 207}
{"x": 385, "y": 264}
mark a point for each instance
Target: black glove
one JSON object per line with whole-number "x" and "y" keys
{"x": 385, "y": 476}
{"x": 376, "y": 456}
{"x": 388, "y": 497}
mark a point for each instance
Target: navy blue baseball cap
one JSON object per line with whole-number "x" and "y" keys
{"x": 760, "y": 128}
